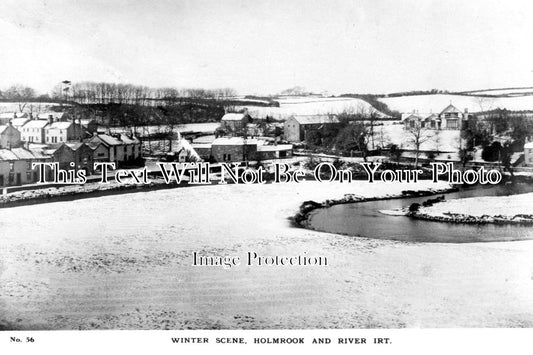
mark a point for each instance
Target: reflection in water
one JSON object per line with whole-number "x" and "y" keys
{"x": 364, "y": 220}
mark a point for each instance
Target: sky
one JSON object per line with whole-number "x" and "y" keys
{"x": 263, "y": 47}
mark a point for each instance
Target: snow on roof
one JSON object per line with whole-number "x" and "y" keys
{"x": 233, "y": 117}
{"x": 315, "y": 119}
{"x": 19, "y": 122}
{"x": 20, "y": 154}
{"x": 3, "y": 128}
{"x": 450, "y": 108}
{"x": 74, "y": 146}
{"x": 108, "y": 140}
{"x": 36, "y": 124}
{"x": 234, "y": 141}
{"x": 13, "y": 115}
{"x": 60, "y": 125}
{"x": 128, "y": 140}
{"x": 273, "y": 148}
{"x": 55, "y": 115}
{"x": 528, "y": 145}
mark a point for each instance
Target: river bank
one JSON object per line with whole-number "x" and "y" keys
{"x": 513, "y": 209}
{"x": 301, "y": 218}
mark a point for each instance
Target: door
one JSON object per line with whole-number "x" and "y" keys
{"x": 19, "y": 180}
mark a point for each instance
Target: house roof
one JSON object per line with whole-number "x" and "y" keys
{"x": 450, "y": 108}
{"x": 13, "y": 115}
{"x": 3, "y": 128}
{"x": 315, "y": 119}
{"x": 127, "y": 140}
{"x": 20, "y": 154}
{"x": 55, "y": 115}
{"x": 19, "y": 122}
{"x": 36, "y": 124}
{"x": 528, "y": 145}
{"x": 274, "y": 148}
{"x": 107, "y": 139}
{"x": 233, "y": 117}
{"x": 60, "y": 125}
{"x": 74, "y": 146}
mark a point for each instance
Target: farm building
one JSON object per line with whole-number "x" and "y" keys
{"x": 296, "y": 128}
{"x": 234, "y": 123}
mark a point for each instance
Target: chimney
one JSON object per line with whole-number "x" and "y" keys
{"x": 50, "y": 119}
{"x": 14, "y": 115}
{"x": 466, "y": 110}
{"x": 31, "y": 116}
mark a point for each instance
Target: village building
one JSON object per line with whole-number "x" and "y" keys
{"x": 233, "y": 149}
{"x": 238, "y": 149}
{"x": 6, "y": 117}
{"x": 296, "y": 128}
{"x": 451, "y": 118}
{"x": 34, "y": 131}
{"x": 89, "y": 125}
{"x": 235, "y": 123}
{"x": 9, "y": 136}
{"x": 19, "y": 122}
{"x": 16, "y": 166}
{"x": 63, "y": 131}
{"x": 54, "y": 116}
{"x": 100, "y": 152}
{"x": 61, "y": 154}
{"x": 83, "y": 156}
{"x": 120, "y": 147}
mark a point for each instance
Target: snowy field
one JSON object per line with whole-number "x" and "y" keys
{"x": 124, "y": 262}
{"x": 441, "y": 140}
{"x": 309, "y": 106}
{"x": 436, "y": 103}
{"x": 508, "y": 206}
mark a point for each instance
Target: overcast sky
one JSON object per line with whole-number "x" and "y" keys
{"x": 266, "y": 46}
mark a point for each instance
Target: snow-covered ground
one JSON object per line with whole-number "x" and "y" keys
{"x": 441, "y": 140}
{"x": 508, "y": 206}
{"x": 124, "y": 262}
{"x": 436, "y": 103}
{"x": 309, "y": 106}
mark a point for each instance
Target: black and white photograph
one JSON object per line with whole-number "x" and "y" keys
{"x": 265, "y": 165}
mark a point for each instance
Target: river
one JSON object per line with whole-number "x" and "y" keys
{"x": 363, "y": 219}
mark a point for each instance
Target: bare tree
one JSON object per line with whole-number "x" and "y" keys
{"x": 20, "y": 94}
{"x": 417, "y": 135}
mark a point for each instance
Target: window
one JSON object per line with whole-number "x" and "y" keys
{"x": 28, "y": 176}
{"x": 29, "y": 164}
{"x": 11, "y": 167}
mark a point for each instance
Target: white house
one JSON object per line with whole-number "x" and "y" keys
{"x": 34, "y": 131}
{"x": 59, "y": 132}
